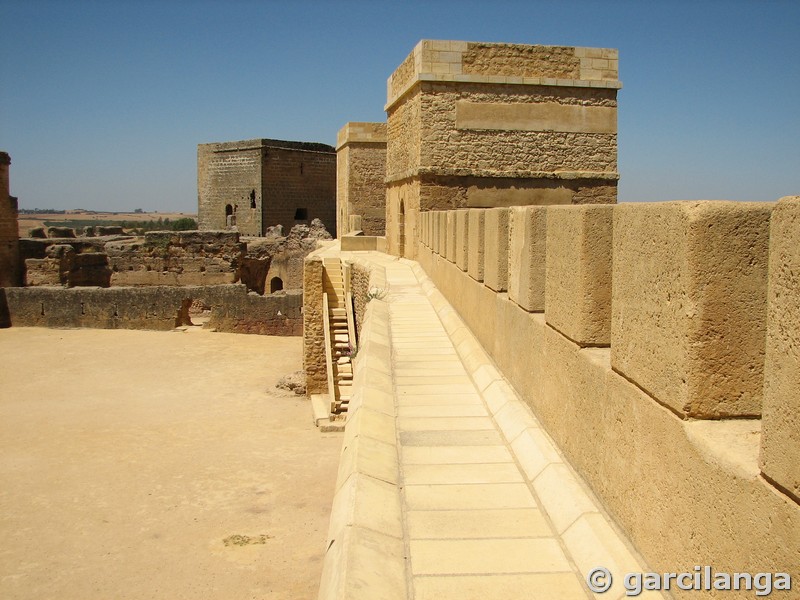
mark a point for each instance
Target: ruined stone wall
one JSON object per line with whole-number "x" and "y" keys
{"x": 176, "y": 258}
{"x": 9, "y": 229}
{"x": 299, "y": 186}
{"x": 487, "y": 125}
{"x": 360, "y": 172}
{"x": 233, "y": 309}
{"x": 649, "y": 340}
{"x": 264, "y": 182}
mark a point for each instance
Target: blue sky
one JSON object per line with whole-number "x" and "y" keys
{"x": 103, "y": 103}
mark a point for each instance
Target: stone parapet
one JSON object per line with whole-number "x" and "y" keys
{"x": 508, "y": 64}
{"x": 361, "y": 133}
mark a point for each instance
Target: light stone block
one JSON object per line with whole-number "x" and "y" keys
{"x": 450, "y": 240}
{"x": 363, "y": 565}
{"x": 578, "y": 272}
{"x": 780, "y": 441}
{"x": 495, "y": 275}
{"x": 525, "y": 555}
{"x": 689, "y": 303}
{"x": 522, "y": 586}
{"x": 526, "y": 257}
{"x": 462, "y": 246}
{"x": 442, "y": 216}
{"x": 434, "y": 231}
{"x": 475, "y": 243}
{"x": 475, "y": 524}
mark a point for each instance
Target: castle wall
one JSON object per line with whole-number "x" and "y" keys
{"x": 498, "y": 125}
{"x": 360, "y": 175}
{"x": 648, "y": 344}
{"x": 9, "y": 228}
{"x": 233, "y": 310}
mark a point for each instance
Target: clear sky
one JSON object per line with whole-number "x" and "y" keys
{"x": 103, "y": 103}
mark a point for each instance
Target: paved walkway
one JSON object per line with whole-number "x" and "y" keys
{"x": 489, "y": 509}
{"x": 473, "y": 525}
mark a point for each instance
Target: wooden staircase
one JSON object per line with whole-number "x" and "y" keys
{"x": 339, "y": 327}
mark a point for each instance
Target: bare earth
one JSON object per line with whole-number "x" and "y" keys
{"x": 158, "y": 465}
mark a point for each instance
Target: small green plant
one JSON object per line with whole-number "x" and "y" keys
{"x": 376, "y": 293}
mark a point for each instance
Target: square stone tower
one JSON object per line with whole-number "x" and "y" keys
{"x": 360, "y": 177}
{"x": 490, "y": 125}
{"x": 251, "y": 185}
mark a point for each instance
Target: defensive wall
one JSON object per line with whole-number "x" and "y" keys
{"x": 487, "y": 125}
{"x": 360, "y": 175}
{"x": 657, "y": 343}
{"x": 251, "y": 185}
{"x": 232, "y": 308}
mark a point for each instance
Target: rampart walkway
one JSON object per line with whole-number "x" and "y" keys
{"x": 448, "y": 487}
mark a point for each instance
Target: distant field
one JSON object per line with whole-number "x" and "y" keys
{"x": 81, "y": 219}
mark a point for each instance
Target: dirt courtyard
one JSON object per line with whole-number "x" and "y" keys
{"x": 158, "y": 465}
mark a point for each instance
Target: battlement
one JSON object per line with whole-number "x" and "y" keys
{"x": 655, "y": 342}
{"x": 512, "y": 64}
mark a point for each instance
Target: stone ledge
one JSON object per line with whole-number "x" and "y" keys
{"x": 366, "y": 553}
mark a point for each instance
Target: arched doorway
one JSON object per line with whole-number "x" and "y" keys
{"x": 275, "y": 285}
{"x": 230, "y": 219}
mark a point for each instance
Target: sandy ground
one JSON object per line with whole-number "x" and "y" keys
{"x": 158, "y": 465}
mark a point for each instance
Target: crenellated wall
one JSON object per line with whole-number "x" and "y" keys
{"x": 650, "y": 339}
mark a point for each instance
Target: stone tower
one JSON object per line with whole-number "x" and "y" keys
{"x": 252, "y": 185}
{"x": 9, "y": 229}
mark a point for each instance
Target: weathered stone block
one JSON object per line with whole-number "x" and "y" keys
{"x": 578, "y": 273}
{"x": 780, "y": 441}
{"x": 689, "y": 303}
{"x": 527, "y": 254}
{"x": 475, "y": 241}
{"x": 495, "y": 274}
{"x": 442, "y": 244}
{"x": 450, "y": 240}
{"x": 462, "y": 246}
{"x": 434, "y": 231}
